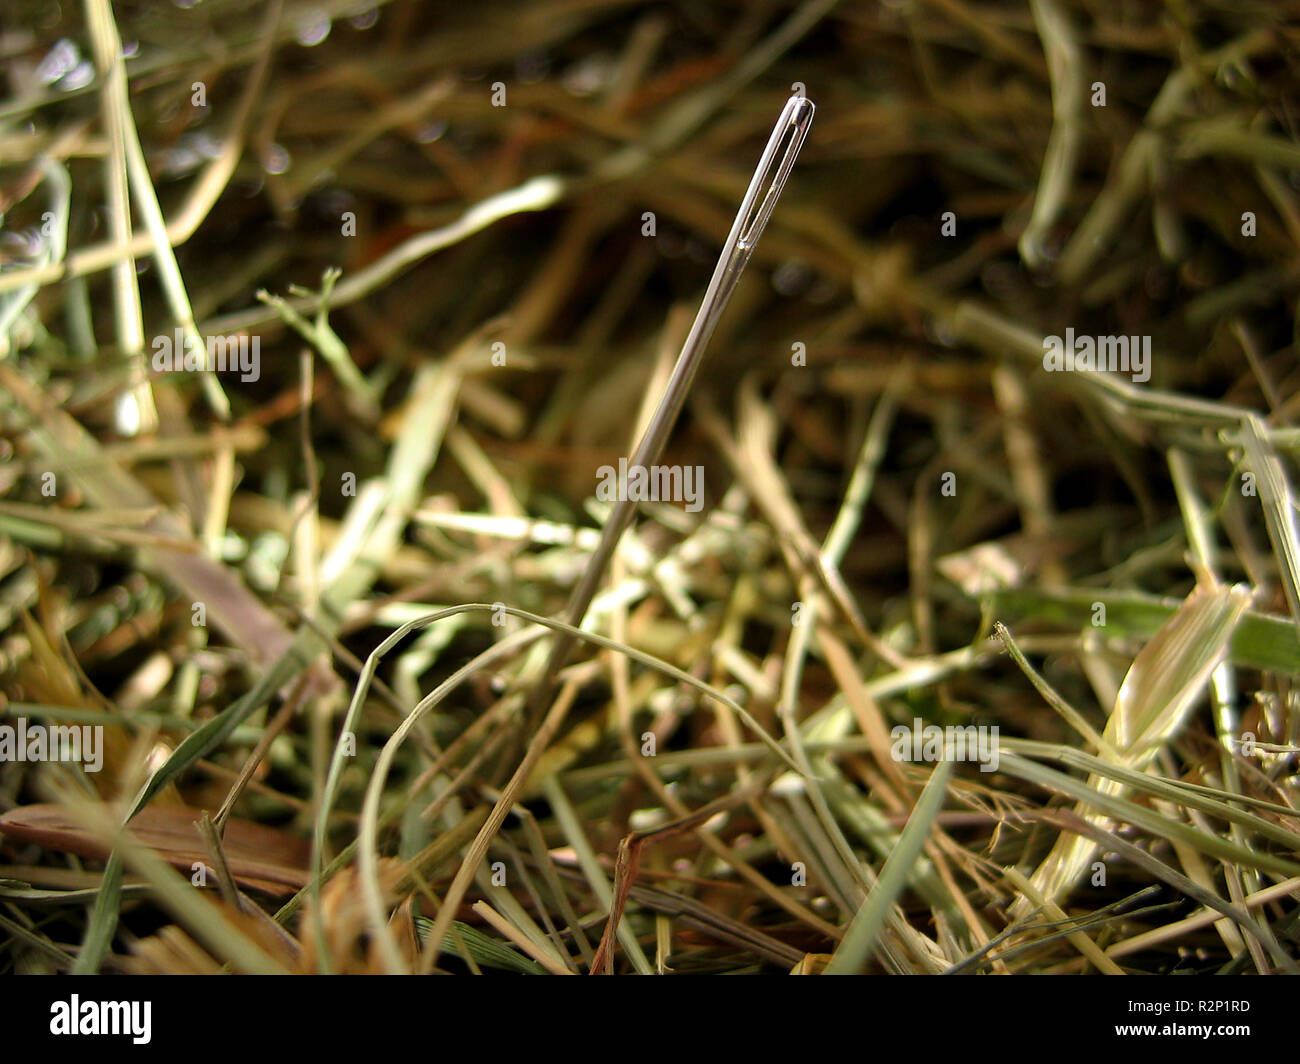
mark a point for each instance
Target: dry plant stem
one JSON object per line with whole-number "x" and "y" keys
{"x": 1223, "y": 681}
{"x": 547, "y": 732}
{"x": 126, "y": 293}
{"x": 200, "y": 915}
{"x": 1085, "y": 945}
{"x": 367, "y": 838}
{"x": 212, "y": 839}
{"x": 1065, "y": 65}
{"x": 207, "y": 190}
{"x": 146, "y": 201}
{"x": 628, "y": 862}
{"x": 765, "y": 187}
{"x": 278, "y": 723}
{"x": 367, "y": 844}
{"x": 638, "y": 764}
{"x": 1116, "y": 199}
{"x": 245, "y": 620}
{"x": 1203, "y": 918}
{"x": 521, "y": 940}
{"x": 535, "y": 194}
{"x": 1260, "y": 931}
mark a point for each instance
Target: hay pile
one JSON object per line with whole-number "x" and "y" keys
{"x": 448, "y": 259}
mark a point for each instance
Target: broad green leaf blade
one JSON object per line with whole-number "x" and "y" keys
{"x": 1163, "y": 684}
{"x": 870, "y": 918}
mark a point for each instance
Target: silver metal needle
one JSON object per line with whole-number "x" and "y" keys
{"x": 756, "y": 208}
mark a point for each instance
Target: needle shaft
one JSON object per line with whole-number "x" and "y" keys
{"x": 756, "y": 208}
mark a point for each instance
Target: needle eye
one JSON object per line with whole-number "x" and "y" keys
{"x": 774, "y": 169}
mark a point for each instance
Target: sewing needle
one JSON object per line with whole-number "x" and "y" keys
{"x": 756, "y": 208}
